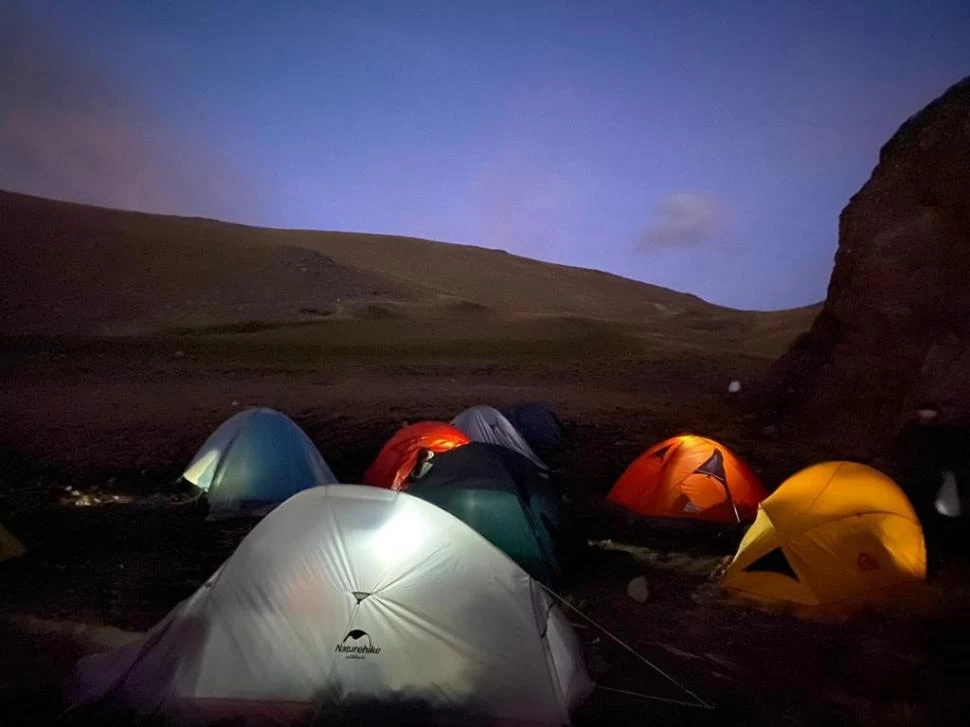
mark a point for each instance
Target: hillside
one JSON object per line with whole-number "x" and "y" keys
{"x": 68, "y": 268}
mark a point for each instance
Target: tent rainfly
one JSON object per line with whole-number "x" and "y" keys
{"x": 253, "y": 462}
{"x": 508, "y": 500}
{"x": 837, "y": 535}
{"x": 538, "y": 423}
{"x": 349, "y": 605}
{"x": 486, "y": 424}
{"x": 398, "y": 458}
{"x": 689, "y": 477}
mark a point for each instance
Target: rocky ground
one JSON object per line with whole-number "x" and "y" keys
{"x": 94, "y": 436}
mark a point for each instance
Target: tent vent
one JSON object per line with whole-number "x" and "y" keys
{"x": 360, "y": 595}
{"x": 714, "y": 467}
{"x": 662, "y": 452}
{"x": 774, "y": 561}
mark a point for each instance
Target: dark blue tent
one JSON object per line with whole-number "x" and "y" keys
{"x": 538, "y": 423}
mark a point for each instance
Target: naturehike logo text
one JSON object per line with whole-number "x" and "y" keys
{"x": 357, "y": 644}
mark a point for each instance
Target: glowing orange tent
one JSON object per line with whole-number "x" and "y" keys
{"x": 836, "y": 535}
{"x": 689, "y": 477}
{"x": 399, "y": 456}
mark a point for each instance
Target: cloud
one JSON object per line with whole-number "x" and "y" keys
{"x": 70, "y": 130}
{"x": 683, "y": 219}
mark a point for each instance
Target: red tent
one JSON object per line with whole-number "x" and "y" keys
{"x": 399, "y": 456}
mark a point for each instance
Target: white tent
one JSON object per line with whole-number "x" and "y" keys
{"x": 350, "y": 600}
{"x": 485, "y": 424}
{"x": 254, "y": 461}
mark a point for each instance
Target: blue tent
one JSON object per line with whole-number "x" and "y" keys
{"x": 254, "y": 461}
{"x": 538, "y": 423}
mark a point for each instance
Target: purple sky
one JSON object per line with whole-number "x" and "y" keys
{"x": 703, "y": 146}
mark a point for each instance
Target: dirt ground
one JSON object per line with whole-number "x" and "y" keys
{"x": 110, "y": 424}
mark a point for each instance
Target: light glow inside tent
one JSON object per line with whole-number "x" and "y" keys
{"x": 398, "y": 538}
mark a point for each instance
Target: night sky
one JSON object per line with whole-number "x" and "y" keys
{"x": 703, "y": 146}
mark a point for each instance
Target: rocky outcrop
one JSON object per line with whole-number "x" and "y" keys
{"x": 895, "y": 328}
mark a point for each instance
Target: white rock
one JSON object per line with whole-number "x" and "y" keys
{"x": 638, "y": 590}
{"x": 179, "y": 354}
{"x": 734, "y": 387}
{"x": 235, "y": 403}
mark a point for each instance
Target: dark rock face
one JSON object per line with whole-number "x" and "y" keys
{"x": 895, "y": 328}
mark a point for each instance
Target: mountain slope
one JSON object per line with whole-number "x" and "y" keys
{"x": 67, "y": 268}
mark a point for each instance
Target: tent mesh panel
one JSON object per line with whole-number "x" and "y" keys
{"x": 714, "y": 466}
{"x": 774, "y": 561}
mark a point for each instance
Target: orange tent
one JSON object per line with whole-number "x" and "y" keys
{"x": 833, "y": 537}
{"x": 399, "y": 456}
{"x": 689, "y": 477}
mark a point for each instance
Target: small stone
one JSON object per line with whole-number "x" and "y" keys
{"x": 235, "y": 403}
{"x": 638, "y": 590}
{"x": 179, "y": 354}
{"x": 734, "y": 387}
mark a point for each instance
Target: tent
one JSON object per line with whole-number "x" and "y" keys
{"x": 255, "y": 460}
{"x": 835, "y": 533}
{"x": 485, "y": 424}
{"x": 538, "y": 423}
{"x": 508, "y": 500}
{"x": 399, "y": 456}
{"x": 689, "y": 477}
{"x": 10, "y": 547}
{"x": 948, "y": 501}
{"x": 348, "y": 605}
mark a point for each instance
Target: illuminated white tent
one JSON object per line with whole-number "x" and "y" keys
{"x": 345, "y": 604}
{"x": 254, "y": 461}
{"x": 486, "y": 424}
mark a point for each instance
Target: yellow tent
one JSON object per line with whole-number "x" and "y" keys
{"x": 836, "y": 534}
{"x": 10, "y": 547}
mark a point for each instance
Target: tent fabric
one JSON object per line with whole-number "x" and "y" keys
{"x": 354, "y": 602}
{"x": 835, "y": 533}
{"x": 10, "y": 546}
{"x": 948, "y": 497}
{"x": 486, "y": 424}
{"x": 254, "y": 461}
{"x": 538, "y": 423}
{"x": 398, "y": 458}
{"x": 688, "y": 476}
{"x": 506, "y": 499}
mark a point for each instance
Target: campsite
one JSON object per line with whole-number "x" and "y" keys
{"x": 99, "y": 431}
{"x": 460, "y": 364}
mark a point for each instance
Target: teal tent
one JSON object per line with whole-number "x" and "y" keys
{"x": 253, "y": 462}
{"x": 508, "y": 500}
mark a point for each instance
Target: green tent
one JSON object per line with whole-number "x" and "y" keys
{"x": 507, "y": 499}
